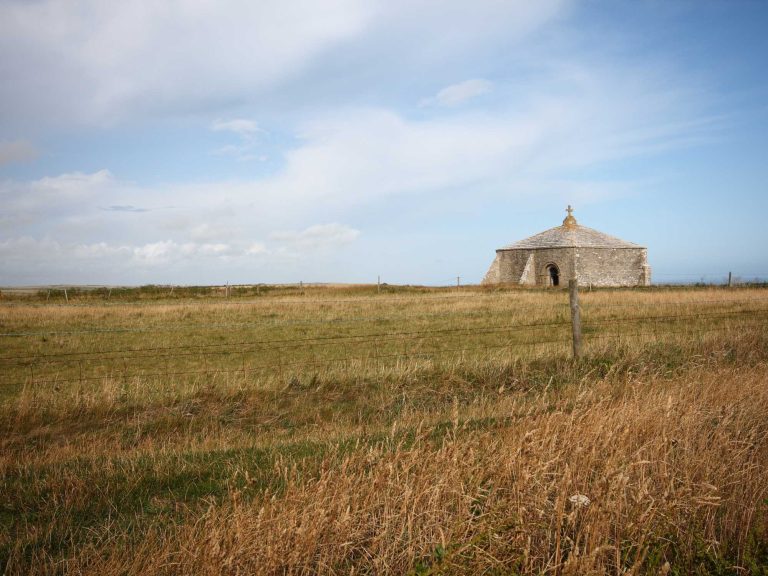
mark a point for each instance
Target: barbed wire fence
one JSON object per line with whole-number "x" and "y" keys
{"x": 458, "y": 283}
{"x": 364, "y": 351}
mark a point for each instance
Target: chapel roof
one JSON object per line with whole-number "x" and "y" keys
{"x": 570, "y": 235}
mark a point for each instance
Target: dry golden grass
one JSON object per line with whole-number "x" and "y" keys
{"x": 674, "y": 471}
{"x": 457, "y": 454}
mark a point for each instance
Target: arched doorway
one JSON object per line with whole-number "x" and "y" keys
{"x": 552, "y": 275}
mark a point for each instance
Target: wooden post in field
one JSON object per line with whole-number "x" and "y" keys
{"x": 65, "y": 295}
{"x": 573, "y": 292}
{"x": 378, "y": 284}
{"x": 458, "y": 282}
{"x": 730, "y": 280}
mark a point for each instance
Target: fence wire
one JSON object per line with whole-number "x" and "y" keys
{"x": 320, "y": 340}
{"x": 270, "y": 322}
{"x": 314, "y": 363}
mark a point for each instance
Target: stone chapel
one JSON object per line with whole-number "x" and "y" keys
{"x": 571, "y": 250}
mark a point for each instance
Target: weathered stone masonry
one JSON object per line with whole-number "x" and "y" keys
{"x": 571, "y": 251}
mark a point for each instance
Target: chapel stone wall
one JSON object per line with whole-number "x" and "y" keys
{"x": 591, "y": 266}
{"x": 511, "y": 265}
{"x": 560, "y": 257}
{"x": 612, "y": 267}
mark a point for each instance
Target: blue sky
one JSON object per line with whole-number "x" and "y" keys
{"x": 203, "y": 142}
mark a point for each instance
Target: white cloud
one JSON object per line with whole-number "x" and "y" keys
{"x": 16, "y": 151}
{"x": 167, "y": 251}
{"x": 361, "y": 155}
{"x": 460, "y": 93}
{"x": 240, "y": 126}
{"x": 346, "y": 163}
{"x": 156, "y": 252}
{"x": 246, "y": 130}
{"x": 244, "y": 152}
{"x": 317, "y": 237}
{"x": 106, "y": 62}
{"x": 49, "y": 251}
{"x": 100, "y": 61}
{"x": 358, "y": 157}
{"x": 533, "y": 117}
{"x": 52, "y": 201}
{"x": 74, "y": 184}
{"x": 364, "y": 154}
{"x": 256, "y": 248}
{"x": 94, "y": 251}
{"x": 209, "y": 231}
{"x": 53, "y": 193}
{"x": 124, "y": 208}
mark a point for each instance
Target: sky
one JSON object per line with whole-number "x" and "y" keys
{"x": 274, "y": 141}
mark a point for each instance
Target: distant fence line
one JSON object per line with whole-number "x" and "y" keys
{"x": 395, "y": 298}
{"x": 280, "y": 367}
{"x": 367, "y": 319}
{"x": 206, "y": 349}
{"x": 454, "y": 282}
{"x": 37, "y": 363}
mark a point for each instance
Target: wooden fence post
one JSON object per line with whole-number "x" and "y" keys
{"x": 730, "y": 280}
{"x": 573, "y": 292}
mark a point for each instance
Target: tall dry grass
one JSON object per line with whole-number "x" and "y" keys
{"x": 424, "y": 463}
{"x": 674, "y": 470}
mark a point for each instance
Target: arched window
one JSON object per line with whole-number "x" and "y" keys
{"x": 553, "y": 275}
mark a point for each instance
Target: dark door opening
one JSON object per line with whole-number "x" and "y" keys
{"x": 554, "y": 275}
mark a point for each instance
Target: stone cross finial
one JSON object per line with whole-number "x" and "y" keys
{"x": 569, "y": 221}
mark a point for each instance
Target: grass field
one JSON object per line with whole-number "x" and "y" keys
{"x": 339, "y": 430}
